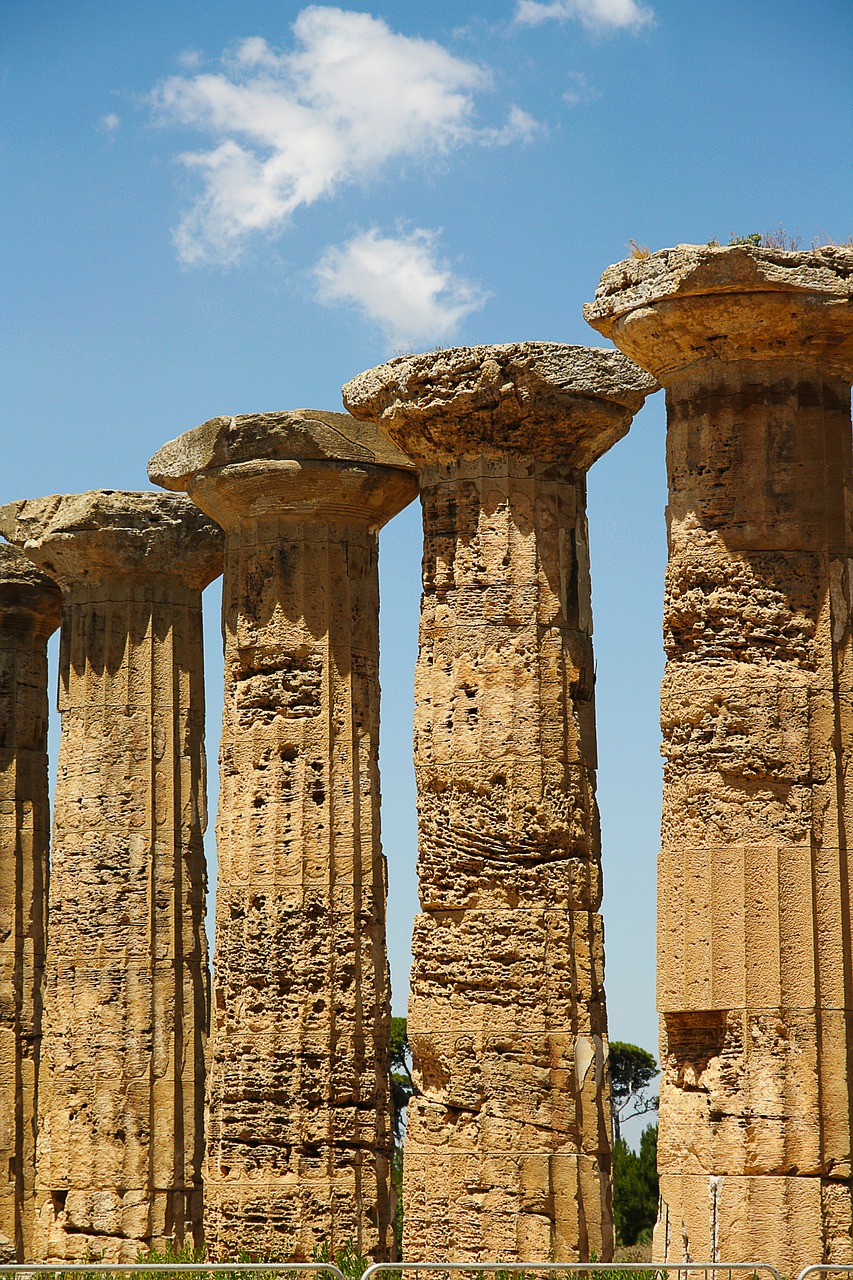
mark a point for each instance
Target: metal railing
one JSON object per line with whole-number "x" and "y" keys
{"x": 825, "y": 1269}
{"x": 509, "y": 1270}
{"x": 21, "y": 1270}
{"x": 693, "y": 1270}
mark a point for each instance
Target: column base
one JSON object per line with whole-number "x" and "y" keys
{"x": 786, "y": 1221}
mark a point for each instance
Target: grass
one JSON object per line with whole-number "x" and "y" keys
{"x": 778, "y": 239}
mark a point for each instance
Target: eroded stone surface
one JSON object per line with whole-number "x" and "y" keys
{"x": 126, "y": 1007}
{"x": 508, "y": 1135}
{"x": 546, "y": 399}
{"x": 687, "y": 305}
{"x": 299, "y": 1123}
{"x": 306, "y": 434}
{"x": 30, "y": 606}
{"x": 754, "y": 971}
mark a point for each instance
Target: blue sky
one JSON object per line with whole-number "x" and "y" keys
{"x": 210, "y": 208}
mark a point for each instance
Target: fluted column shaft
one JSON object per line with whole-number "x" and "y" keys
{"x": 507, "y": 1150}
{"x": 299, "y": 1122}
{"x": 755, "y": 972}
{"x": 30, "y": 606}
{"x": 126, "y": 1008}
{"x": 507, "y": 1018}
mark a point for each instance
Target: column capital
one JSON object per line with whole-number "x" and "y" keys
{"x": 89, "y": 538}
{"x": 696, "y": 305}
{"x": 546, "y": 399}
{"x": 296, "y": 463}
{"x": 29, "y": 599}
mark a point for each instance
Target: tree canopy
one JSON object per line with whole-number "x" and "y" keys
{"x": 402, "y": 1085}
{"x": 635, "y": 1187}
{"x": 632, "y": 1071}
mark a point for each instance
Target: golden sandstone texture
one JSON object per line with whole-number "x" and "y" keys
{"x": 755, "y": 349}
{"x": 299, "y": 1115}
{"x": 103, "y": 1024}
{"x": 30, "y": 606}
{"x": 508, "y": 1135}
{"x": 126, "y": 995}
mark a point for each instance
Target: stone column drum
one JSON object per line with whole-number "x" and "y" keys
{"x": 755, "y": 349}
{"x": 508, "y": 1136}
{"x": 126, "y": 1007}
{"x": 299, "y": 1125}
{"x": 30, "y": 608}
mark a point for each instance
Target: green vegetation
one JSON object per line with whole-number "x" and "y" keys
{"x": 781, "y": 239}
{"x": 397, "y": 1185}
{"x": 185, "y": 1255}
{"x": 402, "y": 1088}
{"x": 635, "y": 1188}
{"x": 402, "y": 1085}
{"x": 632, "y": 1071}
{"x": 348, "y": 1260}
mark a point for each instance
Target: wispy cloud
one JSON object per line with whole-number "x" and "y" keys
{"x": 190, "y": 59}
{"x": 520, "y": 127}
{"x": 290, "y": 127}
{"x": 399, "y": 283}
{"x": 579, "y": 90}
{"x": 109, "y": 124}
{"x": 598, "y": 15}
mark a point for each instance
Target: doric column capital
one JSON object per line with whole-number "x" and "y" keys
{"x": 706, "y": 305}
{"x": 29, "y": 600}
{"x": 544, "y": 399}
{"x": 91, "y": 538}
{"x": 297, "y": 463}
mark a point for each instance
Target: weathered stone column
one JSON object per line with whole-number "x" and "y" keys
{"x": 299, "y": 1126}
{"x": 508, "y": 1135}
{"x": 30, "y": 607}
{"x": 126, "y": 1007}
{"x": 755, "y": 348}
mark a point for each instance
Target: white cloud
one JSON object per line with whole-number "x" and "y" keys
{"x": 399, "y": 283}
{"x": 520, "y": 127}
{"x": 109, "y": 124}
{"x": 579, "y": 89}
{"x": 190, "y": 59}
{"x": 289, "y": 128}
{"x": 598, "y": 15}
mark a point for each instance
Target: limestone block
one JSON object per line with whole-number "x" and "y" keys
{"x": 732, "y": 1218}
{"x": 319, "y": 1186}
{"x": 761, "y": 1092}
{"x": 472, "y": 965}
{"x": 519, "y": 1090}
{"x": 499, "y": 1206}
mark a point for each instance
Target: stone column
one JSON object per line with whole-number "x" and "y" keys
{"x": 299, "y": 1126}
{"x": 29, "y": 614}
{"x": 755, "y": 348}
{"x": 126, "y": 1006}
{"x": 508, "y": 1136}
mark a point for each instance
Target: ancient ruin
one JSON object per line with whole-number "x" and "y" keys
{"x": 508, "y": 1135}
{"x": 122, "y": 1127}
{"x": 299, "y": 1123}
{"x": 30, "y": 609}
{"x": 755, "y": 349}
{"x": 126, "y": 1003}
